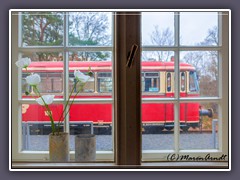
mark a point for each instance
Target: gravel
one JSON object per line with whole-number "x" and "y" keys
{"x": 149, "y": 142}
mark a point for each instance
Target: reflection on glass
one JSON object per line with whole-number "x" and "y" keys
{"x": 36, "y": 125}
{"x": 203, "y": 78}
{"x": 158, "y": 28}
{"x": 199, "y": 125}
{"x": 42, "y": 29}
{"x": 157, "y": 126}
{"x": 90, "y": 29}
{"x": 199, "y": 28}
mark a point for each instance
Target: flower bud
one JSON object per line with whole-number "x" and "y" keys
{"x": 23, "y": 63}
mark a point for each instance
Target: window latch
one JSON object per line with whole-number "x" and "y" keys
{"x": 131, "y": 55}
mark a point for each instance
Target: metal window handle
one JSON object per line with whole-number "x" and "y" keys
{"x": 131, "y": 55}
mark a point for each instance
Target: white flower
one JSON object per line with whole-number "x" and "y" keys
{"x": 23, "y": 63}
{"x": 80, "y": 76}
{"x": 48, "y": 99}
{"x": 33, "y": 80}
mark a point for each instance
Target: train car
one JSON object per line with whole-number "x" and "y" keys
{"x": 157, "y": 82}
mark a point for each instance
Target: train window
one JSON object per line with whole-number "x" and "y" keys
{"x": 183, "y": 81}
{"x": 169, "y": 82}
{"x": 150, "y": 82}
{"x": 104, "y": 82}
{"x": 51, "y": 83}
{"x": 193, "y": 82}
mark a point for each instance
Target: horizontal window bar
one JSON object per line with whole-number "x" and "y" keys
{"x": 172, "y": 100}
{"x": 158, "y": 100}
{"x": 80, "y": 101}
{"x": 201, "y": 99}
{"x": 61, "y": 49}
{"x": 181, "y": 48}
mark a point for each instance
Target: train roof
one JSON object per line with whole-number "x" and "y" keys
{"x": 102, "y": 65}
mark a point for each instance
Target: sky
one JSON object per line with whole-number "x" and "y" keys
{"x": 193, "y": 25}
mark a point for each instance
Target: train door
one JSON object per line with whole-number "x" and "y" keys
{"x": 169, "y": 107}
{"x": 183, "y": 106}
{"x": 192, "y": 109}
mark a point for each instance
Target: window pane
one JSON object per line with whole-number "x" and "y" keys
{"x": 36, "y": 125}
{"x": 90, "y": 29}
{"x": 42, "y": 29}
{"x": 157, "y": 124}
{"x": 100, "y": 84}
{"x": 199, "y": 28}
{"x": 199, "y": 125}
{"x": 92, "y": 118}
{"x": 104, "y": 82}
{"x": 157, "y": 74}
{"x": 90, "y": 56}
{"x": 203, "y": 78}
{"x": 162, "y": 56}
{"x": 158, "y": 28}
{"x": 49, "y": 66}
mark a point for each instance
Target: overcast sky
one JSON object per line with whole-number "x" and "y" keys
{"x": 193, "y": 25}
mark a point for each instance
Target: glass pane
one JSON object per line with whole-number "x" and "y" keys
{"x": 199, "y": 125}
{"x": 157, "y": 74}
{"x": 157, "y": 126}
{"x": 90, "y": 29}
{"x": 42, "y": 29}
{"x": 162, "y": 56}
{"x": 199, "y": 28}
{"x": 158, "y": 28}
{"x": 99, "y": 84}
{"x": 36, "y": 125}
{"x": 202, "y": 76}
{"x": 95, "y": 119}
{"x": 90, "y": 56}
{"x": 49, "y": 66}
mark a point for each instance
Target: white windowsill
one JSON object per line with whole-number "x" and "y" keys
{"x": 157, "y": 166}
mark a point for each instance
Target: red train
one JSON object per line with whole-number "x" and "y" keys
{"x": 157, "y": 82}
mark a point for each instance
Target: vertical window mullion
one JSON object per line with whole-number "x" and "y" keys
{"x": 220, "y": 85}
{"x": 224, "y": 65}
{"x": 176, "y": 83}
{"x": 128, "y": 93}
{"x": 65, "y": 69}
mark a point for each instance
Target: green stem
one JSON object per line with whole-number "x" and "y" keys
{"x": 65, "y": 107}
{"x": 48, "y": 110}
{"x": 72, "y": 101}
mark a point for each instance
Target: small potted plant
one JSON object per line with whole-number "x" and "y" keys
{"x": 58, "y": 141}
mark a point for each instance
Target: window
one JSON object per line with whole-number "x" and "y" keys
{"x": 193, "y": 82}
{"x": 157, "y": 110}
{"x": 104, "y": 82}
{"x": 150, "y": 82}
{"x": 60, "y": 43}
{"x": 190, "y": 51}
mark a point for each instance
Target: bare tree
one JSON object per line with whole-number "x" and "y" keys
{"x": 162, "y": 38}
{"x": 206, "y": 64}
{"x": 212, "y": 37}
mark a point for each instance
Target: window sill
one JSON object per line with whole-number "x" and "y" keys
{"x": 155, "y": 166}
